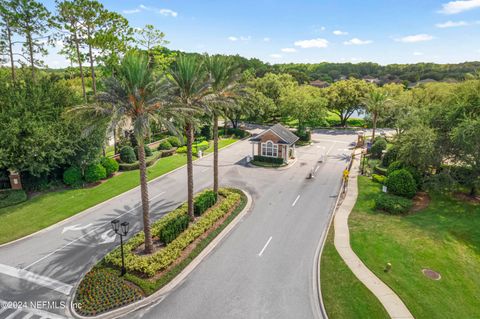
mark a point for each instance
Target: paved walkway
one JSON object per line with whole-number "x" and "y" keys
{"x": 392, "y": 303}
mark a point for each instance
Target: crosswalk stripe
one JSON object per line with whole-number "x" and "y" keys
{"x": 13, "y": 314}
{"x": 36, "y": 279}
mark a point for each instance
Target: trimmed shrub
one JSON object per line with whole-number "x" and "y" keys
{"x": 401, "y": 182}
{"x": 304, "y": 135}
{"x": 165, "y": 145}
{"x": 201, "y": 146}
{"x": 148, "y": 151}
{"x": 174, "y": 141}
{"x": 173, "y": 228}
{"x": 390, "y": 156}
{"x": 206, "y": 132}
{"x": 266, "y": 159}
{"x": 380, "y": 170}
{"x": 127, "y": 155}
{"x": 393, "y": 204}
{"x": 395, "y": 166}
{"x": 379, "y": 178}
{"x": 11, "y": 197}
{"x": 203, "y": 202}
{"x": 378, "y": 147}
{"x": 111, "y": 166}
{"x": 149, "y": 161}
{"x": 95, "y": 172}
{"x": 72, "y": 176}
{"x": 236, "y": 132}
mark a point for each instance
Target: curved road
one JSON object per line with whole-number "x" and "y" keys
{"x": 263, "y": 269}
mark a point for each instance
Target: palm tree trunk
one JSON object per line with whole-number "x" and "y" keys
{"x": 374, "y": 120}
{"x": 144, "y": 192}
{"x": 215, "y": 154}
{"x": 189, "y": 133}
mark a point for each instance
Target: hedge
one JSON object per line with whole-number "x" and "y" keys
{"x": 390, "y": 156}
{"x": 95, "y": 172}
{"x": 202, "y": 146}
{"x": 379, "y": 178}
{"x": 380, "y": 170}
{"x": 149, "y": 160}
{"x": 393, "y": 204}
{"x": 149, "y": 265}
{"x": 72, "y": 176}
{"x": 111, "y": 166}
{"x": 148, "y": 151}
{"x": 173, "y": 228}
{"x": 127, "y": 155}
{"x": 10, "y": 197}
{"x": 266, "y": 159}
{"x": 203, "y": 202}
{"x": 165, "y": 145}
{"x": 401, "y": 182}
{"x": 236, "y": 132}
{"x": 174, "y": 141}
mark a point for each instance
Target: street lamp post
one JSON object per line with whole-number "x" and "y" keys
{"x": 122, "y": 230}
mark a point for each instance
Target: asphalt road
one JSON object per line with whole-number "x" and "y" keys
{"x": 263, "y": 269}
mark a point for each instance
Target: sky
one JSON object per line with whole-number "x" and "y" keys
{"x": 311, "y": 31}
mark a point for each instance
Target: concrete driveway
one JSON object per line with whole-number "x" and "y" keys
{"x": 263, "y": 269}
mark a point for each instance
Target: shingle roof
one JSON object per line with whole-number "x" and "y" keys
{"x": 285, "y": 134}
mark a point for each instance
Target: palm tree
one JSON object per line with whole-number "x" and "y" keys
{"x": 223, "y": 80}
{"x": 134, "y": 99}
{"x": 376, "y": 102}
{"x": 189, "y": 86}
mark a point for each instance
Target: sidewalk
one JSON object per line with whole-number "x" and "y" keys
{"x": 390, "y": 301}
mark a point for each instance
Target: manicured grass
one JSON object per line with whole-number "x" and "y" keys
{"x": 444, "y": 237}
{"x": 343, "y": 295}
{"x": 266, "y": 164}
{"x": 49, "y": 208}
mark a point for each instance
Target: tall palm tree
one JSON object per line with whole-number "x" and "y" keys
{"x": 134, "y": 98}
{"x": 189, "y": 86}
{"x": 376, "y": 102}
{"x": 223, "y": 81}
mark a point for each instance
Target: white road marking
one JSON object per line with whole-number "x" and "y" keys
{"x": 36, "y": 279}
{"x": 13, "y": 314}
{"x": 34, "y": 311}
{"x": 106, "y": 239}
{"x": 296, "y": 200}
{"x": 316, "y": 169}
{"x": 85, "y": 235}
{"x": 265, "y": 247}
{"x": 327, "y": 140}
{"x": 75, "y": 227}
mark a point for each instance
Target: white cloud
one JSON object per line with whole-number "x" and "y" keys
{"x": 266, "y": 39}
{"x": 136, "y": 10}
{"x": 357, "y": 41}
{"x": 140, "y": 8}
{"x": 415, "y": 38}
{"x": 275, "y": 56}
{"x": 239, "y": 38}
{"x": 288, "y": 50}
{"x": 339, "y": 32}
{"x": 451, "y": 24}
{"x": 168, "y": 12}
{"x": 232, "y": 38}
{"x": 247, "y": 38}
{"x": 313, "y": 43}
{"x": 454, "y": 7}
{"x": 417, "y": 53}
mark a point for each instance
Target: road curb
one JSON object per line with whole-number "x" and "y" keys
{"x": 281, "y": 168}
{"x": 318, "y": 253}
{"x": 88, "y": 210}
{"x": 165, "y": 290}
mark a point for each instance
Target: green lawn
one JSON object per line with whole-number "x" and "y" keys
{"x": 49, "y": 208}
{"x": 343, "y": 295}
{"x": 444, "y": 237}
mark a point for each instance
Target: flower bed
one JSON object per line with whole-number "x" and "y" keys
{"x": 102, "y": 290}
{"x": 148, "y": 266}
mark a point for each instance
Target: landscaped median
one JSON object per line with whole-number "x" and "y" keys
{"x": 49, "y": 208}
{"x": 176, "y": 244}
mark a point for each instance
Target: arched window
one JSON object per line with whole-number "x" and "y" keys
{"x": 269, "y": 149}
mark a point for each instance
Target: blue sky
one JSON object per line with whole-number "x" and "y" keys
{"x": 308, "y": 31}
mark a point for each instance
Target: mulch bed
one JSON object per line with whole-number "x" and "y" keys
{"x": 420, "y": 201}
{"x": 467, "y": 198}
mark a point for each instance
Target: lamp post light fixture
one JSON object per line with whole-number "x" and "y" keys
{"x": 121, "y": 229}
